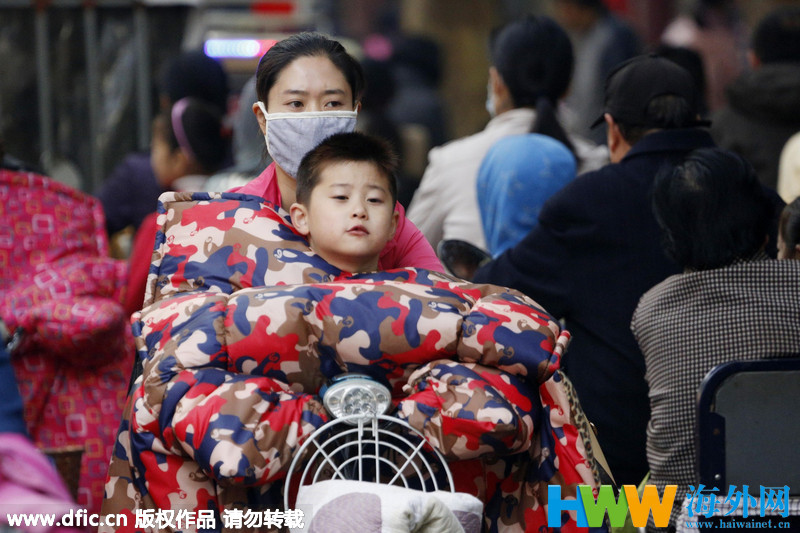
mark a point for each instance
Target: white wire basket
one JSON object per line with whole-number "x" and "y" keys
{"x": 377, "y": 449}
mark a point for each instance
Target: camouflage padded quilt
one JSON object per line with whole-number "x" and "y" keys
{"x": 243, "y": 326}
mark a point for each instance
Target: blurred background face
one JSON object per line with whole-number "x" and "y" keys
{"x": 164, "y": 160}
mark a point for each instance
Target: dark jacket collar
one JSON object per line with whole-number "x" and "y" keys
{"x": 680, "y": 140}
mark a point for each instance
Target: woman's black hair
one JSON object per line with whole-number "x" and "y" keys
{"x": 534, "y": 57}
{"x": 195, "y": 126}
{"x": 307, "y": 44}
{"x": 712, "y": 209}
{"x": 789, "y": 225}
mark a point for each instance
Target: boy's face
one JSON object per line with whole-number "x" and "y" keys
{"x": 350, "y": 216}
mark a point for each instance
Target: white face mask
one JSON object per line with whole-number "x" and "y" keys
{"x": 290, "y": 136}
{"x": 490, "y": 100}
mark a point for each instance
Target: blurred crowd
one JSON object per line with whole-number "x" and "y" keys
{"x": 646, "y": 195}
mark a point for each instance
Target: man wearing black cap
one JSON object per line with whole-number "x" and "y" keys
{"x": 597, "y": 249}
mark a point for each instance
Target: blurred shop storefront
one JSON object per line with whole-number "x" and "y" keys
{"x": 77, "y": 76}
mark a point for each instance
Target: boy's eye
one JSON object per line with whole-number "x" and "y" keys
{"x": 340, "y": 197}
{"x": 375, "y": 200}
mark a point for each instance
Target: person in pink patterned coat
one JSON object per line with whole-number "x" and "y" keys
{"x": 60, "y": 289}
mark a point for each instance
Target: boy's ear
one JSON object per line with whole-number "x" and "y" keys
{"x": 797, "y": 251}
{"x": 299, "y": 218}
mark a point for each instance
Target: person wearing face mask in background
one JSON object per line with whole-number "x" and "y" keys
{"x": 531, "y": 67}
{"x": 309, "y": 88}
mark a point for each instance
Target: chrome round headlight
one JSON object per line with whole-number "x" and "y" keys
{"x": 356, "y": 395}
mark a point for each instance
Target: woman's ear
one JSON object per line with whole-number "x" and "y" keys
{"x": 502, "y": 96}
{"x": 495, "y": 80}
{"x": 262, "y": 121}
{"x": 796, "y": 251}
{"x": 299, "y": 216}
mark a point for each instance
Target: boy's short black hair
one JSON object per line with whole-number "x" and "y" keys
{"x": 343, "y": 148}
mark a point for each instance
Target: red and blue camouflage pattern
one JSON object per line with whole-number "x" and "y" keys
{"x": 234, "y": 360}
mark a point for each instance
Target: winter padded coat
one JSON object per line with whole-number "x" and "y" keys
{"x": 242, "y": 326}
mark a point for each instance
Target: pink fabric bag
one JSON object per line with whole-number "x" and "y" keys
{"x": 29, "y": 484}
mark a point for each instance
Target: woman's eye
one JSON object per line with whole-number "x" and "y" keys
{"x": 334, "y": 103}
{"x": 340, "y": 197}
{"x": 295, "y": 104}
